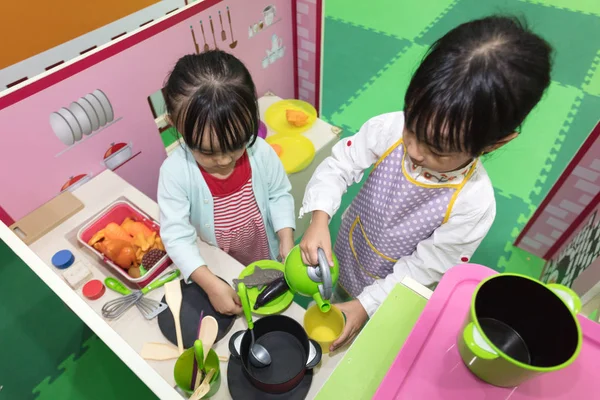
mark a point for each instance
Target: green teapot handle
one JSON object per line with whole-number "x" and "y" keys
{"x": 326, "y": 288}
{"x": 568, "y": 296}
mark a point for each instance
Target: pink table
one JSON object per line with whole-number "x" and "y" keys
{"x": 429, "y": 365}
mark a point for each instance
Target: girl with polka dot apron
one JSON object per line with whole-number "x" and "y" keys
{"x": 427, "y": 202}
{"x": 389, "y": 217}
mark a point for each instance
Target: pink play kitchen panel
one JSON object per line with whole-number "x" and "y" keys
{"x": 430, "y": 367}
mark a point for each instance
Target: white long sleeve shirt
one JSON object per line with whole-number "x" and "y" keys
{"x": 452, "y": 243}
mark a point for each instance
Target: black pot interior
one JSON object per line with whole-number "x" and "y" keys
{"x": 286, "y": 342}
{"x": 526, "y": 320}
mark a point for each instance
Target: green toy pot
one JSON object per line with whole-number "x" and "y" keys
{"x": 316, "y": 281}
{"x": 184, "y": 367}
{"x": 518, "y": 328}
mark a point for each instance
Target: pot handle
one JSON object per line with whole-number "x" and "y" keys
{"x": 475, "y": 342}
{"x": 243, "y": 293}
{"x": 314, "y": 354}
{"x": 235, "y": 343}
{"x": 568, "y": 296}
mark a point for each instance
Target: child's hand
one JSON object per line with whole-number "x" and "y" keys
{"x": 222, "y": 296}
{"x": 224, "y": 299}
{"x": 356, "y": 317}
{"x": 317, "y": 236}
{"x": 286, "y": 242}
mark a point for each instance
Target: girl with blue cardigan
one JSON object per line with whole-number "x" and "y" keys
{"x": 224, "y": 184}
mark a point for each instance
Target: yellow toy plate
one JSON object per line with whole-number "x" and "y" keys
{"x": 275, "y": 116}
{"x": 295, "y": 152}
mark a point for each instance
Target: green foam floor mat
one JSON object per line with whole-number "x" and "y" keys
{"x": 346, "y": 44}
{"x": 571, "y": 34}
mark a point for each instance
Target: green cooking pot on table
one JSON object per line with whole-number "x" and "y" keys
{"x": 316, "y": 281}
{"x": 518, "y": 328}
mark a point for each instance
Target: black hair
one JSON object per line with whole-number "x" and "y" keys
{"x": 477, "y": 84}
{"x": 212, "y": 93}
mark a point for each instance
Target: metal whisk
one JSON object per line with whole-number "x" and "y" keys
{"x": 148, "y": 307}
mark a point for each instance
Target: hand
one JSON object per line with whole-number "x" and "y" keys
{"x": 286, "y": 242}
{"x": 224, "y": 299}
{"x": 222, "y": 296}
{"x": 356, "y": 317}
{"x": 317, "y": 236}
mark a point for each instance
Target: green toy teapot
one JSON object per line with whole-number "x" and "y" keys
{"x": 314, "y": 281}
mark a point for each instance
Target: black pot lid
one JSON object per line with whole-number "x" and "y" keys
{"x": 194, "y": 300}
{"x": 240, "y": 388}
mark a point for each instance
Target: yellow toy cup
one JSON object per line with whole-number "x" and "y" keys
{"x": 324, "y": 327}
{"x": 184, "y": 369}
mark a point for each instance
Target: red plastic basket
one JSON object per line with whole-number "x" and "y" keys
{"x": 117, "y": 212}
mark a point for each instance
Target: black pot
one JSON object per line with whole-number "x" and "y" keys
{"x": 292, "y": 353}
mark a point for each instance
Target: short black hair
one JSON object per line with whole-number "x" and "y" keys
{"x": 213, "y": 93}
{"x": 477, "y": 84}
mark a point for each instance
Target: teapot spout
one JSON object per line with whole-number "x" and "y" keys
{"x": 324, "y": 305}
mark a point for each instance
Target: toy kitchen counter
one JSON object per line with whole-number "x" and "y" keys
{"x": 127, "y": 334}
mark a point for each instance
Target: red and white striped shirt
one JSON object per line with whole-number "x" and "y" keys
{"x": 239, "y": 226}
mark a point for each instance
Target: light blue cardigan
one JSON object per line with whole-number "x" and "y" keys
{"x": 186, "y": 204}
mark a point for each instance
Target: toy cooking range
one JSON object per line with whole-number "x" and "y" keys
{"x": 481, "y": 334}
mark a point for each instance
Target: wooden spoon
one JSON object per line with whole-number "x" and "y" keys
{"x": 173, "y": 297}
{"x": 204, "y": 388}
{"x": 208, "y": 334}
{"x": 159, "y": 351}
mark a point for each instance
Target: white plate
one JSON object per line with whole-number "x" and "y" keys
{"x": 108, "y": 110}
{"x": 84, "y": 120}
{"x": 97, "y": 107}
{"x": 73, "y": 123}
{"x": 89, "y": 110}
{"x": 61, "y": 129}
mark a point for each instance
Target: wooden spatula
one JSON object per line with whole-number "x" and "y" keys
{"x": 173, "y": 297}
{"x": 204, "y": 388}
{"x": 163, "y": 352}
{"x": 159, "y": 351}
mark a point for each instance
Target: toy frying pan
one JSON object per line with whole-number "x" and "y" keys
{"x": 194, "y": 301}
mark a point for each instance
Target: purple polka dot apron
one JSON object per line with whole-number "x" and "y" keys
{"x": 391, "y": 214}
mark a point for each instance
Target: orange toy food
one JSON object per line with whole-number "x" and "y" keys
{"x": 120, "y": 252}
{"x": 134, "y": 272}
{"x": 145, "y": 242}
{"x": 114, "y": 231}
{"x": 126, "y": 244}
{"x": 126, "y": 257}
{"x": 98, "y": 236}
{"x": 133, "y": 228}
{"x": 296, "y": 117}
{"x": 159, "y": 244}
